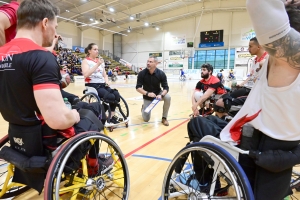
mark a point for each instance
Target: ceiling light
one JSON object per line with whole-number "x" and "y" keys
{"x": 128, "y": 30}
{"x": 111, "y": 9}
{"x": 91, "y": 19}
{"x": 146, "y": 24}
{"x": 131, "y": 18}
{"x": 67, "y": 11}
{"x": 157, "y": 28}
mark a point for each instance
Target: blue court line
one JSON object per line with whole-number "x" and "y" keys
{"x": 152, "y": 157}
{"x": 188, "y": 166}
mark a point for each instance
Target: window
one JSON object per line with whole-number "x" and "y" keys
{"x": 190, "y": 63}
{"x": 217, "y": 58}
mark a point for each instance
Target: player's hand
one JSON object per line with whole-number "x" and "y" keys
{"x": 196, "y": 113}
{"x": 100, "y": 61}
{"x": 158, "y": 97}
{"x": 57, "y": 38}
{"x": 292, "y": 2}
{"x": 195, "y": 107}
{"x": 151, "y": 94}
{"x": 76, "y": 115}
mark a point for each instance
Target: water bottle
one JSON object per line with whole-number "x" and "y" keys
{"x": 68, "y": 104}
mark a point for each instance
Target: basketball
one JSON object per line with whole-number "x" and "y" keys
{"x": 65, "y": 80}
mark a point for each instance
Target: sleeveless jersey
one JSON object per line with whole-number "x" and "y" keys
{"x": 273, "y": 111}
{"x": 97, "y": 75}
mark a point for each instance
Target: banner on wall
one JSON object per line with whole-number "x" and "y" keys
{"x": 178, "y": 40}
{"x": 243, "y": 58}
{"x": 247, "y": 34}
{"x": 65, "y": 43}
{"x": 158, "y": 56}
{"x": 175, "y": 59}
{"x": 78, "y": 48}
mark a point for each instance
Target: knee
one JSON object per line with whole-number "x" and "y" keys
{"x": 167, "y": 97}
{"x": 198, "y": 95}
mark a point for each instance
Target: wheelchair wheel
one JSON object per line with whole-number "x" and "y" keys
{"x": 69, "y": 179}
{"x": 113, "y": 78}
{"x": 90, "y": 98}
{"x": 8, "y": 189}
{"x": 205, "y": 171}
{"x": 122, "y": 109}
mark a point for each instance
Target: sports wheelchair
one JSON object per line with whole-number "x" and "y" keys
{"x": 221, "y": 175}
{"x": 121, "y": 112}
{"x": 68, "y": 175}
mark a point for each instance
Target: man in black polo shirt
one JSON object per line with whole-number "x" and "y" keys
{"x": 148, "y": 84}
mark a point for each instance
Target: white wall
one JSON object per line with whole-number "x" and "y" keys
{"x": 108, "y": 42}
{"x": 137, "y": 46}
{"x": 84, "y": 37}
{"x": 69, "y": 30}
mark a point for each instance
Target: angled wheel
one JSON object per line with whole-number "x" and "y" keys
{"x": 205, "y": 171}
{"x": 69, "y": 179}
{"x": 90, "y": 98}
{"x": 8, "y": 189}
{"x": 122, "y": 109}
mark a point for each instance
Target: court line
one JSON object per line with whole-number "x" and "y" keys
{"x": 149, "y": 142}
{"x": 152, "y": 157}
{"x": 154, "y": 122}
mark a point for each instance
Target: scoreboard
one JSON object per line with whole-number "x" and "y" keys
{"x": 211, "y": 36}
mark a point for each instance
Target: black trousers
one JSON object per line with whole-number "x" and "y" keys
{"x": 240, "y": 92}
{"x": 267, "y": 184}
{"x": 102, "y": 91}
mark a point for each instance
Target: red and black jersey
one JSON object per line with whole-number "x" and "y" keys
{"x": 212, "y": 83}
{"x": 25, "y": 67}
{"x": 10, "y": 10}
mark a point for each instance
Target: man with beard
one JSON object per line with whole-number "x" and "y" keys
{"x": 207, "y": 86}
{"x": 149, "y": 83}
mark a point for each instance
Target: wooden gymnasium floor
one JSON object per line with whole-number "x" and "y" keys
{"x": 148, "y": 147}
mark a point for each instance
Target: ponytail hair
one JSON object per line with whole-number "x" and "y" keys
{"x": 89, "y": 47}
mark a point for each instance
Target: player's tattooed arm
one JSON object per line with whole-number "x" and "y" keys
{"x": 286, "y": 48}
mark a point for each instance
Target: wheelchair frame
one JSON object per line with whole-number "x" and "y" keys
{"x": 76, "y": 184}
{"x": 221, "y": 153}
{"x": 90, "y": 91}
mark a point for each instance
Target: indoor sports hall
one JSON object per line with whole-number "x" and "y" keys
{"x": 178, "y": 38}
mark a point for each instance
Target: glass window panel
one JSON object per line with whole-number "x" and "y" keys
{"x": 232, "y": 51}
{"x": 201, "y": 58}
{"x": 219, "y": 57}
{"x": 210, "y": 58}
{"x": 231, "y": 66}
{"x": 210, "y": 52}
{"x": 220, "y": 64}
{"x": 220, "y": 52}
{"x": 201, "y": 53}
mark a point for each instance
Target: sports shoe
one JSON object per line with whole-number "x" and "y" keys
{"x": 114, "y": 121}
{"x": 165, "y": 121}
{"x": 118, "y": 119}
{"x": 96, "y": 166}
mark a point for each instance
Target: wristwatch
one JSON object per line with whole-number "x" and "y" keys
{"x": 147, "y": 93}
{"x": 162, "y": 95}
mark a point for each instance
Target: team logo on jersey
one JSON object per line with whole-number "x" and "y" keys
{"x": 19, "y": 141}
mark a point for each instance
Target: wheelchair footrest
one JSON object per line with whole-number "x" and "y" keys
{"x": 34, "y": 164}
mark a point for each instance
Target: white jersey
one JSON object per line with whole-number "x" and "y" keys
{"x": 254, "y": 71}
{"x": 273, "y": 111}
{"x": 97, "y": 75}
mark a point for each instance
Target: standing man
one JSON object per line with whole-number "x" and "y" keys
{"x": 8, "y": 21}
{"x": 148, "y": 84}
